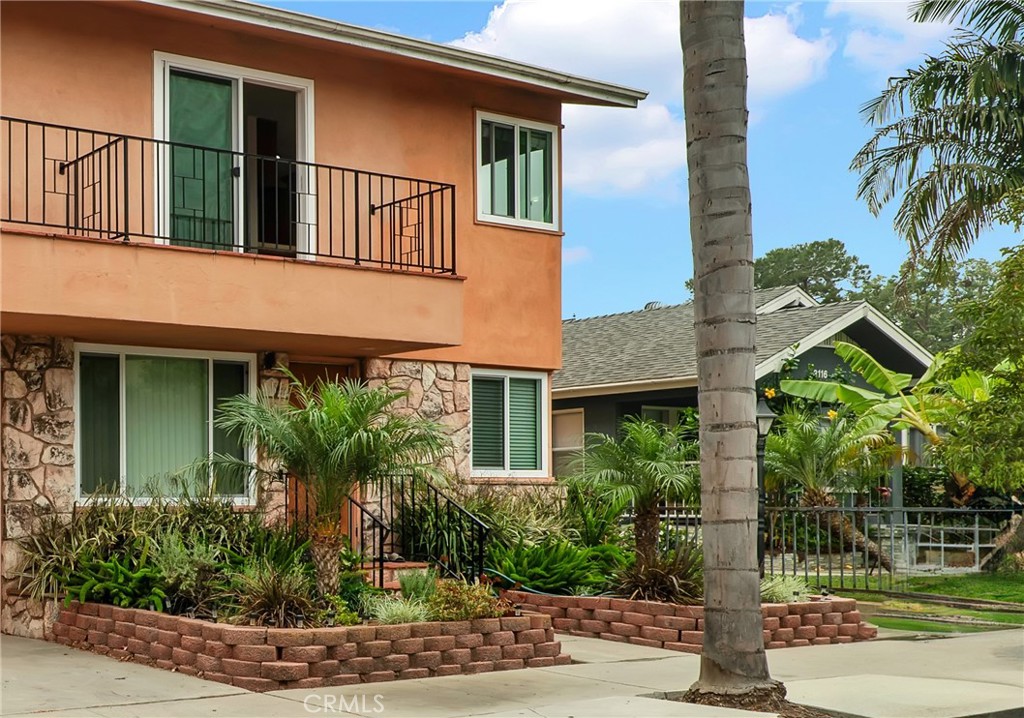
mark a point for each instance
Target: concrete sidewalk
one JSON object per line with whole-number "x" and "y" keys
{"x": 970, "y": 675}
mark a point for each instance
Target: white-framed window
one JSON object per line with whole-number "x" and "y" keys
{"x": 517, "y": 171}
{"x": 508, "y": 414}
{"x": 567, "y": 439}
{"x": 144, "y": 414}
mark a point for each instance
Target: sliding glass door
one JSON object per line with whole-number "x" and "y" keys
{"x": 203, "y": 196}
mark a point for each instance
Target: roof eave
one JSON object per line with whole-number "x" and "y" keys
{"x": 769, "y": 365}
{"x": 572, "y": 88}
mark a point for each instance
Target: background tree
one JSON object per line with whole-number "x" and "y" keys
{"x": 333, "y": 438}
{"x": 948, "y": 135}
{"x": 924, "y": 303}
{"x": 824, "y": 269}
{"x": 648, "y": 463}
{"x": 985, "y": 440}
{"x": 733, "y": 663}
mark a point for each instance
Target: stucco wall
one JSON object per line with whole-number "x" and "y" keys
{"x": 60, "y": 60}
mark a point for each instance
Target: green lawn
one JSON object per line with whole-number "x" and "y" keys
{"x": 992, "y": 586}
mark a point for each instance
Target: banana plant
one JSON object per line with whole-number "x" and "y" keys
{"x": 896, "y": 398}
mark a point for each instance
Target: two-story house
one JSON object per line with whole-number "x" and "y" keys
{"x": 196, "y": 192}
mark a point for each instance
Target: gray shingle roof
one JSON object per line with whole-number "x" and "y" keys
{"x": 652, "y": 344}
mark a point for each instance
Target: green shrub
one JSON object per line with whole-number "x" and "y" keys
{"x": 458, "y": 601}
{"x": 418, "y": 585}
{"x": 336, "y": 612}
{"x": 784, "y": 589}
{"x": 268, "y": 594}
{"x": 129, "y": 581}
{"x": 195, "y": 577}
{"x": 675, "y": 576}
{"x": 517, "y": 515}
{"x": 556, "y": 565}
{"x": 393, "y": 609}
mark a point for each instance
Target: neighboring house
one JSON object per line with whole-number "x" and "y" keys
{"x": 643, "y": 363}
{"x": 196, "y": 192}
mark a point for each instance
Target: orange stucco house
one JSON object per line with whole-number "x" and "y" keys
{"x": 195, "y": 192}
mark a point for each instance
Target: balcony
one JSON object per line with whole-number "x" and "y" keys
{"x": 174, "y": 242}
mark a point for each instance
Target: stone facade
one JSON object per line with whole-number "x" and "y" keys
{"x": 37, "y": 454}
{"x": 274, "y": 383}
{"x": 438, "y": 391}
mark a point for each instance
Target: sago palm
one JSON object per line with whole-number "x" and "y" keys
{"x": 647, "y": 464}
{"x": 822, "y": 457}
{"x": 334, "y": 437}
{"x": 949, "y": 136}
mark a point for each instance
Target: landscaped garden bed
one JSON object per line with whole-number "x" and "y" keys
{"x": 258, "y": 658}
{"x": 681, "y": 628}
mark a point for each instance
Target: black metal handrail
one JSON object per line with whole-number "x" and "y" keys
{"x": 116, "y": 186}
{"x": 369, "y": 536}
{"x": 429, "y": 525}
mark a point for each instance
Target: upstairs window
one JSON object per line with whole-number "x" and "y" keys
{"x": 517, "y": 177}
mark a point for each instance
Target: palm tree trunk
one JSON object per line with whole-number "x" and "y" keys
{"x": 326, "y": 547}
{"x": 843, "y": 529}
{"x": 645, "y": 532}
{"x": 714, "y": 95}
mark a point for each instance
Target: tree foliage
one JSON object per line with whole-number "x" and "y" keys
{"x": 949, "y": 135}
{"x": 925, "y": 303}
{"x": 986, "y": 438}
{"x": 824, "y": 269}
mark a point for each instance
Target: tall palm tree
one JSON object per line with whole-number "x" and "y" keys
{"x": 733, "y": 660}
{"x": 822, "y": 458}
{"x": 648, "y": 464}
{"x": 333, "y": 438}
{"x": 948, "y": 135}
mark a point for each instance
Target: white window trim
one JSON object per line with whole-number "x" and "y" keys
{"x": 163, "y": 63}
{"x": 545, "y": 425}
{"x": 121, "y": 350}
{"x": 566, "y": 449}
{"x": 556, "y": 172}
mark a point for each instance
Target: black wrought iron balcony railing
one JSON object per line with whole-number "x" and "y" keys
{"x": 125, "y": 188}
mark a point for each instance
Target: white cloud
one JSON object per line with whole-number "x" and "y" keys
{"x": 883, "y": 38}
{"x": 575, "y": 255}
{"x": 637, "y": 44}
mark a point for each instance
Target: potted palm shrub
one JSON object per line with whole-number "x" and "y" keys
{"x": 334, "y": 437}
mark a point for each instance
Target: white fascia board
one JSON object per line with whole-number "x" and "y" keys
{"x": 589, "y": 91}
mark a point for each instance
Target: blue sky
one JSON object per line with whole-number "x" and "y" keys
{"x": 812, "y": 65}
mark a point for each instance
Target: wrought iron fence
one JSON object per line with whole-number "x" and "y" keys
{"x": 105, "y": 185}
{"x": 872, "y": 548}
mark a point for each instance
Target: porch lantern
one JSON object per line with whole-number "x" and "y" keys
{"x": 765, "y": 417}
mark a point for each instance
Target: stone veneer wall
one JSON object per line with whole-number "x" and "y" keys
{"x": 266, "y": 659}
{"x": 681, "y": 628}
{"x": 438, "y": 391}
{"x": 37, "y": 456}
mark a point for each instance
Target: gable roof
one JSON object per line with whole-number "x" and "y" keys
{"x": 654, "y": 348}
{"x": 572, "y": 88}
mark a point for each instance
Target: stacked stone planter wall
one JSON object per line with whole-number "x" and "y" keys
{"x": 264, "y": 659}
{"x": 681, "y": 628}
